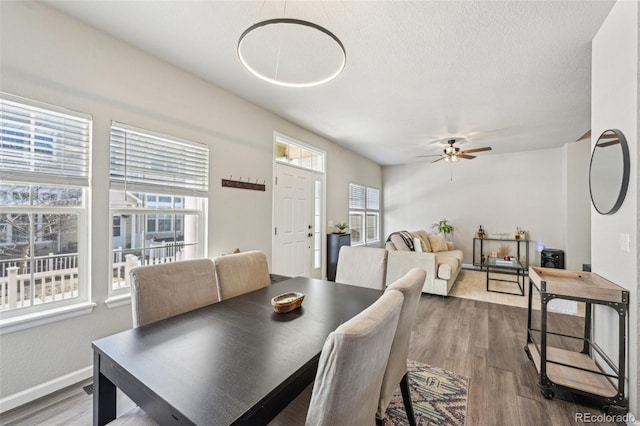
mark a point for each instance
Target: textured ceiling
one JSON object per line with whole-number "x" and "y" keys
{"x": 513, "y": 75}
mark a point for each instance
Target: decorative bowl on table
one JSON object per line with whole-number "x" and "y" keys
{"x": 287, "y": 302}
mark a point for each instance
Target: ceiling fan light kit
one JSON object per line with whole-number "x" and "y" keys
{"x": 319, "y": 32}
{"x": 451, "y": 159}
{"x": 453, "y": 153}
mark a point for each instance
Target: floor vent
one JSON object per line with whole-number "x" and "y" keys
{"x": 88, "y": 389}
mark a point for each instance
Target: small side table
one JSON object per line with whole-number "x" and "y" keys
{"x": 497, "y": 265}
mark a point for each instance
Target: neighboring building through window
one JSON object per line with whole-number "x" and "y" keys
{"x": 158, "y": 199}
{"x": 294, "y": 154}
{"x": 364, "y": 214}
{"x": 44, "y": 227}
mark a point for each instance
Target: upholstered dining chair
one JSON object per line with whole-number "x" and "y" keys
{"x": 396, "y": 372}
{"x": 352, "y": 362}
{"x": 241, "y": 273}
{"x": 362, "y": 266}
{"x": 168, "y": 289}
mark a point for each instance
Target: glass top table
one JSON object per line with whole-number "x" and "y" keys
{"x": 512, "y": 267}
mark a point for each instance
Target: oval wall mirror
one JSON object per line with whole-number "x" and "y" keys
{"x": 609, "y": 171}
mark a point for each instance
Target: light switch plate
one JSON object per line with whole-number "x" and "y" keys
{"x": 625, "y": 243}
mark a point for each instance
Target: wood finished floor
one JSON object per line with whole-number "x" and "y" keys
{"x": 480, "y": 340}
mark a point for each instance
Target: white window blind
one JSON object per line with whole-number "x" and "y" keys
{"x": 40, "y": 145}
{"x": 373, "y": 199}
{"x": 148, "y": 162}
{"x": 356, "y": 196}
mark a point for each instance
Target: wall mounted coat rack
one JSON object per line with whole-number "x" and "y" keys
{"x": 255, "y": 186}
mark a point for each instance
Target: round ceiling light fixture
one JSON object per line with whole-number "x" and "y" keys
{"x": 291, "y": 52}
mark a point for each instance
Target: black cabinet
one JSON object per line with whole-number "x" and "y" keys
{"x": 334, "y": 242}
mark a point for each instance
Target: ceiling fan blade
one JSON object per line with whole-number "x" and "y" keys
{"x": 468, "y": 157}
{"x": 606, "y": 144}
{"x": 432, "y": 155}
{"x": 469, "y": 151}
{"x": 587, "y": 135}
{"x": 435, "y": 161}
{"x": 614, "y": 136}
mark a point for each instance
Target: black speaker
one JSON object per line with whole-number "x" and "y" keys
{"x": 552, "y": 258}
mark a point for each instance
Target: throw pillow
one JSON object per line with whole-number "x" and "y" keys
{"x": 397, "y": 241}
{"x": 417, "y": 244}
{"x": 424, "y": 238}
{"x": 438, "y": 243}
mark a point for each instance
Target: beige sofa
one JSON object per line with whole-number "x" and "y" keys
{"x": 441, "y": 261}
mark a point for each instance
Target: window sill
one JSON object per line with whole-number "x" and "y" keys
{"x": 24, "y": 322}
{"x": 119, "y": 300}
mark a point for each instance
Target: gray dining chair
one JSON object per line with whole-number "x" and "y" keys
{"x": 354, "y": 356}
{"x": 241, "y": 273}
{"x": 396, "y": 372}
{"x": 362, "y": 266}
{"x": 168, "y": 289}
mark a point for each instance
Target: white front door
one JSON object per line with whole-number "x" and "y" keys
{"x": 295, "y": 236}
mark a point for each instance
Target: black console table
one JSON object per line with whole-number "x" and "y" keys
{"x": 480, "y": 259}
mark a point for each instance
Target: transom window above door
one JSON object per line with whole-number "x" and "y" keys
{"x": 289, "y": 152}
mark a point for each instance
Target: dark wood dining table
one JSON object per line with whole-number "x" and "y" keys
{"x": 230, "y": 363}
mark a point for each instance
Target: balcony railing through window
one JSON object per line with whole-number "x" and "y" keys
{"x": 45, "y": 279}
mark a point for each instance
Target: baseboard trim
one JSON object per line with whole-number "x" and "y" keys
{"x": 470, "y": 267}
{"x": 23, "y": 397}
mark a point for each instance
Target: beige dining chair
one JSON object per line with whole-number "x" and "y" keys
{"x": 168, "y": 289}
{"x": 396, "y": 372}
{"x": 354, "y": 356}
{"x": 362, "y": 266}
{"x": 241, "y": 273}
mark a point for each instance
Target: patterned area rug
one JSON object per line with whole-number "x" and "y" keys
{"x": 439, "y": 397}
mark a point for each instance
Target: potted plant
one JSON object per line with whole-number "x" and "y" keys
{"x": 341, "y": 227}
{"x": 443, "y": 227}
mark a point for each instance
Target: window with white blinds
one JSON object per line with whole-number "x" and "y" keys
{"x": 373, "y": 199}
{"x": 158, "y": 199}
{"x": 148, "y": 162}
{"x": 364, "y": 214}
{"x": 44, "y": 188}
{"x": 43, "y": 144}
{"x": 356, "y": 196}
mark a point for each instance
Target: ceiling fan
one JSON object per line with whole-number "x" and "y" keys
{"x": 602, "y": 141}
{"x": 453, "y": 153}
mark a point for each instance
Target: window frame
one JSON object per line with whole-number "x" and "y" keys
{"x": 315, "y": 160}
{"x": 194, "y": 202}
{"x": 359, "y": 206}
{"x": 61, "y": 124}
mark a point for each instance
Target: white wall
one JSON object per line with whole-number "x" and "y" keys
{"x": 497, "y": 191}
{"x": 51, "y": 58}
{"x": 577, "y": 203}
{"x": 614, "y": 104}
